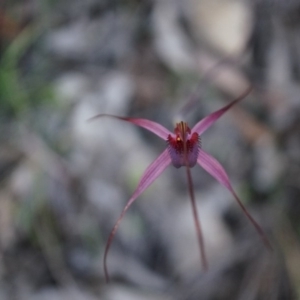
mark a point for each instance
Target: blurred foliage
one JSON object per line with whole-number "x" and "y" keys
{"x": 23, "y": 85}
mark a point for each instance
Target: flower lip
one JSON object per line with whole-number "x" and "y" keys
{"x": 184, "y": 146}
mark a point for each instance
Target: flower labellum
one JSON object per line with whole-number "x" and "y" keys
{"x": 184, "y": 149}
{"x": 181, "y": 142}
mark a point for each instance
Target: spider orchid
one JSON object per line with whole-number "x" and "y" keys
{"x": 183, "y": 149}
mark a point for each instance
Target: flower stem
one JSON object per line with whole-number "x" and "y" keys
{"x": 196, "y": 218}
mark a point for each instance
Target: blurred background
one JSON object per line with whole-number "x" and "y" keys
{"x": 64, "y": 181}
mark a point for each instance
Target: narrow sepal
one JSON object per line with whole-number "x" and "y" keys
{"x": 151, "y": 173}
{"x": 214, "y": 168}
{"x": 206, "y": 122}
{"x": 152, "y": 126}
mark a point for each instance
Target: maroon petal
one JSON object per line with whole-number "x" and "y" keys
{"x": 205, "y": 123}
{"x": 151, "y": 173}
{"x": 214, "y": 168}
{"x": 152, "y": 126}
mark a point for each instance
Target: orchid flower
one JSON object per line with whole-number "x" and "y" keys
{"x": 183, "y": 149}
